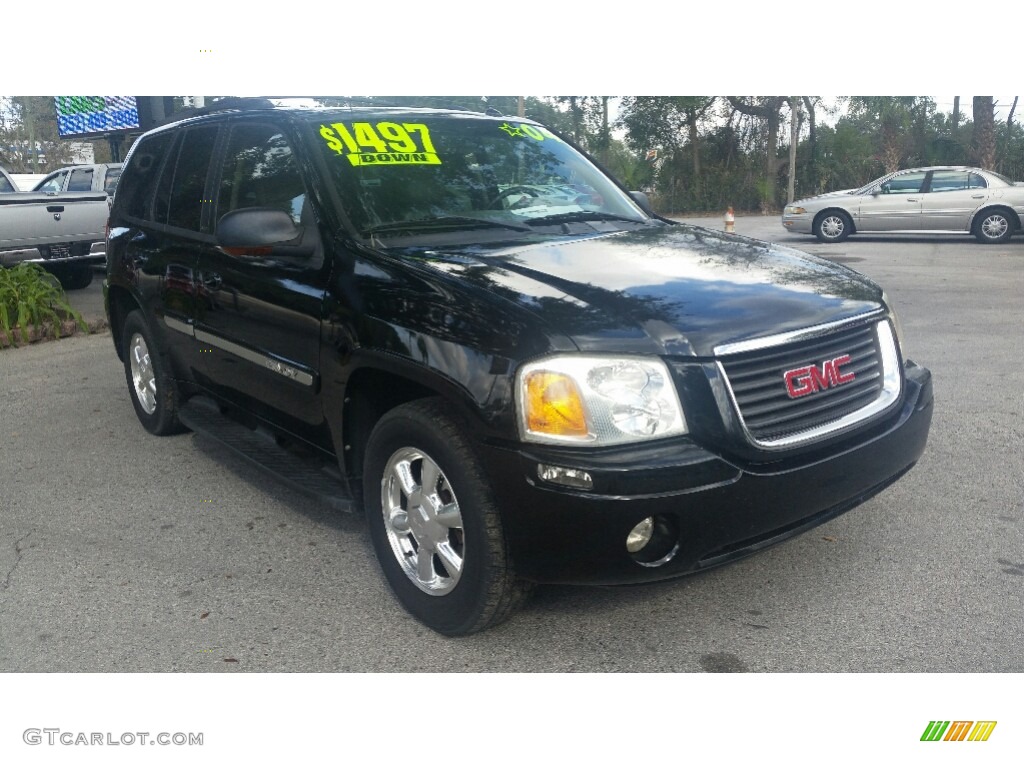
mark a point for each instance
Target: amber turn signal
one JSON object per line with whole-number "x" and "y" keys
{"x": 554, "y": 405}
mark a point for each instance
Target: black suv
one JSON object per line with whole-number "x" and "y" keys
{"x": 459, "y": 323}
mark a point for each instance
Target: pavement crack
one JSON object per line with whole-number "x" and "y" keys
{"x": 18, "y": 554}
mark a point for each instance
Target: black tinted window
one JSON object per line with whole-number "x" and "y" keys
{"x": 136, "y": 193}
{"x": 81, "y": 180}
{"x": 260, "y": 172}
{"x": 186, "y": 204}
{"x": 110, "y": 180}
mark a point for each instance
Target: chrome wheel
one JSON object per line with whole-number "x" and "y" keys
{"x": 832, "y": 227}
{"x": 994, "y": 226}
{"x": 422, "y": 521}
{"x": 143, "y": 375}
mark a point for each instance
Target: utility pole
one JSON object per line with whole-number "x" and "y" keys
{"x": 794, "y": 125}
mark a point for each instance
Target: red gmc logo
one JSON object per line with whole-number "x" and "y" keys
{"x": 807, "y": 380}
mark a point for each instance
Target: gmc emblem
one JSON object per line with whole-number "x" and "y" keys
{"x": 807, "y": 380}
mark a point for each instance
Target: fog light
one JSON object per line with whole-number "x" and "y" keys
{"x": 574, "y": 478}
{"x": 653, "y": 541}
{"x": 640, "y": 535}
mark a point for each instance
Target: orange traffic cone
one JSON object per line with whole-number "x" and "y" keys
{"x": 730, "y": 220}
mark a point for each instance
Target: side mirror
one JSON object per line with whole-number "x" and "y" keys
{"x": 641, "y": 199}
{"x": 256, "y": 228}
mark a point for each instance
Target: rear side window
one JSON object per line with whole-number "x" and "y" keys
{"x": 81, "y": 180}
{"x": 948, "y": 181}
{"x": 187, "y": 189}
{"x": 110, "y": 180}
{"x": 135, "y": 195}
{"x": 5, "y": 185}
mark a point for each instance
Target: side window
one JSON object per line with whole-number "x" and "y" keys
{"x": 53, "y": 183}
{"x": 948, "y": 181}
{"x": 977, "y": 182}
{"x": 260, "y": 172}
{"x": 110, "y": 180}
{"x": 81, "y": 180}
{"x": 5, "y": 185}
{"x": 905, "y": 184}
{"x": 162, "y": 197}
{"x": 143, "y": 170}
{"x": 189, "y": 185}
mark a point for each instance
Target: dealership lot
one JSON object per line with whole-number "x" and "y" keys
{"x": 124, "y": 552}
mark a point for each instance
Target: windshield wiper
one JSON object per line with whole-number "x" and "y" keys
{"x": 571, "y": 216}
{"x": 442, "y": 222}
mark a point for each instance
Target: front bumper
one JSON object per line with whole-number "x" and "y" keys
{"x": 799, "y": 223}
{"x": 721, "y": 510}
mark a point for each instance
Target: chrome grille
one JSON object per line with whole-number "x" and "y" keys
{"x": 771, "y": 415}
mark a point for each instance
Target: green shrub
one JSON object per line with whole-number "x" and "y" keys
{"x": 31, "y": 296}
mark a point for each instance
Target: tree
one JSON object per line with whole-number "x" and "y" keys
{"x": 983, "y": 138}
{"x": 767, "y": 108}
{"x": 898, "y": 122}
{"x": 29, "y": 142}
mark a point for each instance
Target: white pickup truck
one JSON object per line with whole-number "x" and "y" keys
{"x": 63, "y": 232}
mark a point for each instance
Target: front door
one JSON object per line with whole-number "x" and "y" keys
{"x": 258, "y": 311}
{"x": 895, "y": 205}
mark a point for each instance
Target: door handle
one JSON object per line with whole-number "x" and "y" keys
{"x": 912, "y": 200}
{"x": 977, "y": 197}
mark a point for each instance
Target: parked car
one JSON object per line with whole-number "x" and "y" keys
{"x": 7, "y": 183}
{"x": 561, "y": 389}
{"x": 82, "y": 178}
{"x": 937, "y": 199}
{"x": 64, "y": 233}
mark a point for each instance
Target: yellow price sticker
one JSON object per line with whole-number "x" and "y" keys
{"x": 535, "y": 132}
{"x": 383, "y": 143}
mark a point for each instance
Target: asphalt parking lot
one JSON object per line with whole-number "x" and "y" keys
{"x": 124, "y": 552}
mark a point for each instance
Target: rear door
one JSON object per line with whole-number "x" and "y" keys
{"x": 952, "y": 197}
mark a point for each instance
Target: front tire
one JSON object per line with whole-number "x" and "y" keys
{"x": 832, "y": 226}
{"x": 434, "y": 522}
{"x": 994, "y": 226}
{"x": 153, "y": 392}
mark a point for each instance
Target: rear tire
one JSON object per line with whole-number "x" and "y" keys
{"x": 153, "y": 392}
{"x": 994, "y": 226}
{"x": 80, "y": 276}
{"x": 434, "y": 522}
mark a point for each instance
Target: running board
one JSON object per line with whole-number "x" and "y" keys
{"x": 260, "y": 450}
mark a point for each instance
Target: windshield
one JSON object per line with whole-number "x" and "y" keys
{"x": 428, "y": 172}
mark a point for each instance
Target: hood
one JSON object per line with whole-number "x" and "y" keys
{"x": 677, "y": 290}
{"x": 837, "y": 193}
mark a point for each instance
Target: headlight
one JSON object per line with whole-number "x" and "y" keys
{"x": 792, "y": 210}
{"x": 896, "y": 327}
{"x": 576, "y": 399}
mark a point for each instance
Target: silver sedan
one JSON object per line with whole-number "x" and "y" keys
{"x": 939, "y": 199}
